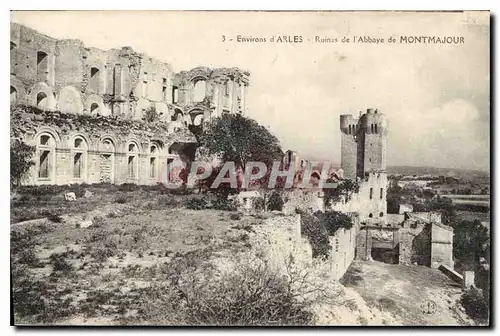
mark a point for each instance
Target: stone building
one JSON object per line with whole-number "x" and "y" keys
{"x": 113, "y": 96}
{"x": 363, "y": 158}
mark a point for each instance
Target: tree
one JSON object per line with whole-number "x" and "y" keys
{"x": 236, "y": 138}
{"x": 20, "y": 161}
{"x": 470, "y": 240}
{"x": 345, "y": 189}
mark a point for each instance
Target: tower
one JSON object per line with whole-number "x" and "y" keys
{"x": 363, "y": 155}
{"x": 371, "y": 143}
{"x": 349, "y": 128}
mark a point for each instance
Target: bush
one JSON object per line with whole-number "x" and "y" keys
{"x": 476, "y": 305}
{"x": 121, "y": 199}
{"x": 224, "y": 204}
{"x": 60, "y": 264}
{"x": 128, "y": 187}
{"x": 235, "y": 216}
{"x": 317, "y": 234}
{"x": 20, "y": 161}
{"x": 275, "y": 202}
{"x": 334, "y": 220}
{"x": 250, "y": 296}
{"x": 197, "y": 204}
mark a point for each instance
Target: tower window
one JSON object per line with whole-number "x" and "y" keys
{"x": 376, "y": 131}
{"x": 381, "y": 193}
{"x": 371, "y": 193}
{"x": 370, "y": 215}
{"x": 381, "y": 214}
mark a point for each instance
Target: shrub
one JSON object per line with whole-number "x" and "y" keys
{"x": 476, "y": 305}
{"x": 235, "y": 216}
{"x": 29, "y": 258}
{"x": 60, "y": 264}
{"x": 317, "y": 234}
{"x": 250, "y": 296}
{"x": 20, "y": 161}
{"x": 224, "y": 204}
{"x": 275, "y": 202}
{"x": 128, "y": 187}
{"x": 121, "y": 199}
{"x": 259, "y": 204}
{"x": 334, "y": 220}
{"x": 197, "y": 204}
{"x": 150, "y": 115}
{"x": 345, "y": 189}
{"x": 51, "y": 216}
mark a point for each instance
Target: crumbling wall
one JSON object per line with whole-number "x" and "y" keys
{"x": 127, "y": 82}
{"x": 302, "y": 200}
{"x": 279, "y": 239}
{"x": 442, "y": 246}
{"x": 415, "y": 245}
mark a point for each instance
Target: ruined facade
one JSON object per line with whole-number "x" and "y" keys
{"x": 64, "y": 78}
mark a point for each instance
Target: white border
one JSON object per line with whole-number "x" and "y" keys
{"x": 199, "y": 5}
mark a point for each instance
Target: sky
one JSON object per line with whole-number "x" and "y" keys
{"x": 434, "y": 96}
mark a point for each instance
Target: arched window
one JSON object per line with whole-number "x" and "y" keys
{"x": 94, "y": 79}
{"x": 42, "y": 65}
{"x": 94, "y": 108}
{"x": 198, "y": 120}
{"x": 46, "y": 146}
{"x": 371, "y": 126}
{"x": 13, "y": 95}
{"x": 153, "y": 161}
{"x": 376, "y": 131}
{"x": 107, "y": 161}
{"x": 370, "y": 215}
{"x": 133, "y": 161}
{"x": 381, "y": 214}
{"x": 79, "y": 155}
{"x": 199, "y": 90}
{"x": 349, "y": 132}
{"x": 41, "y": 100}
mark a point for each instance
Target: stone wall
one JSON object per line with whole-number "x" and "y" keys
{"x": 343, "y": 251}
{"x": 415, "y": 245}
{"x": 442, "y": 246}
{"x": 303, "y": 200}
{"x": 280, "y": 240}
{"x": 108, "y": 149}
{"x": 67, "y": 76}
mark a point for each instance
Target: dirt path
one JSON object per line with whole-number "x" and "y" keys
{"x": 411, "y": 295}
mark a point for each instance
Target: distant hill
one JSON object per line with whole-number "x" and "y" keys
{"x": 465, "y": 174}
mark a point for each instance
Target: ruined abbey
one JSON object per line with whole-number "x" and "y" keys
{"x": 119, "y": 116}
{"x": 96, "y": 103}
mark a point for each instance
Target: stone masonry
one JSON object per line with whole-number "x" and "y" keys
{"x": 119, "y": 89}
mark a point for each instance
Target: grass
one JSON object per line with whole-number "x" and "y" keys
{"x": 111, "y": 271}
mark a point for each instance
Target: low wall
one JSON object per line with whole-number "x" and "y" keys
{"x": 343, "y": 251}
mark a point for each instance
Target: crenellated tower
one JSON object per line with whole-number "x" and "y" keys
{"x": 363, "y": 157}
